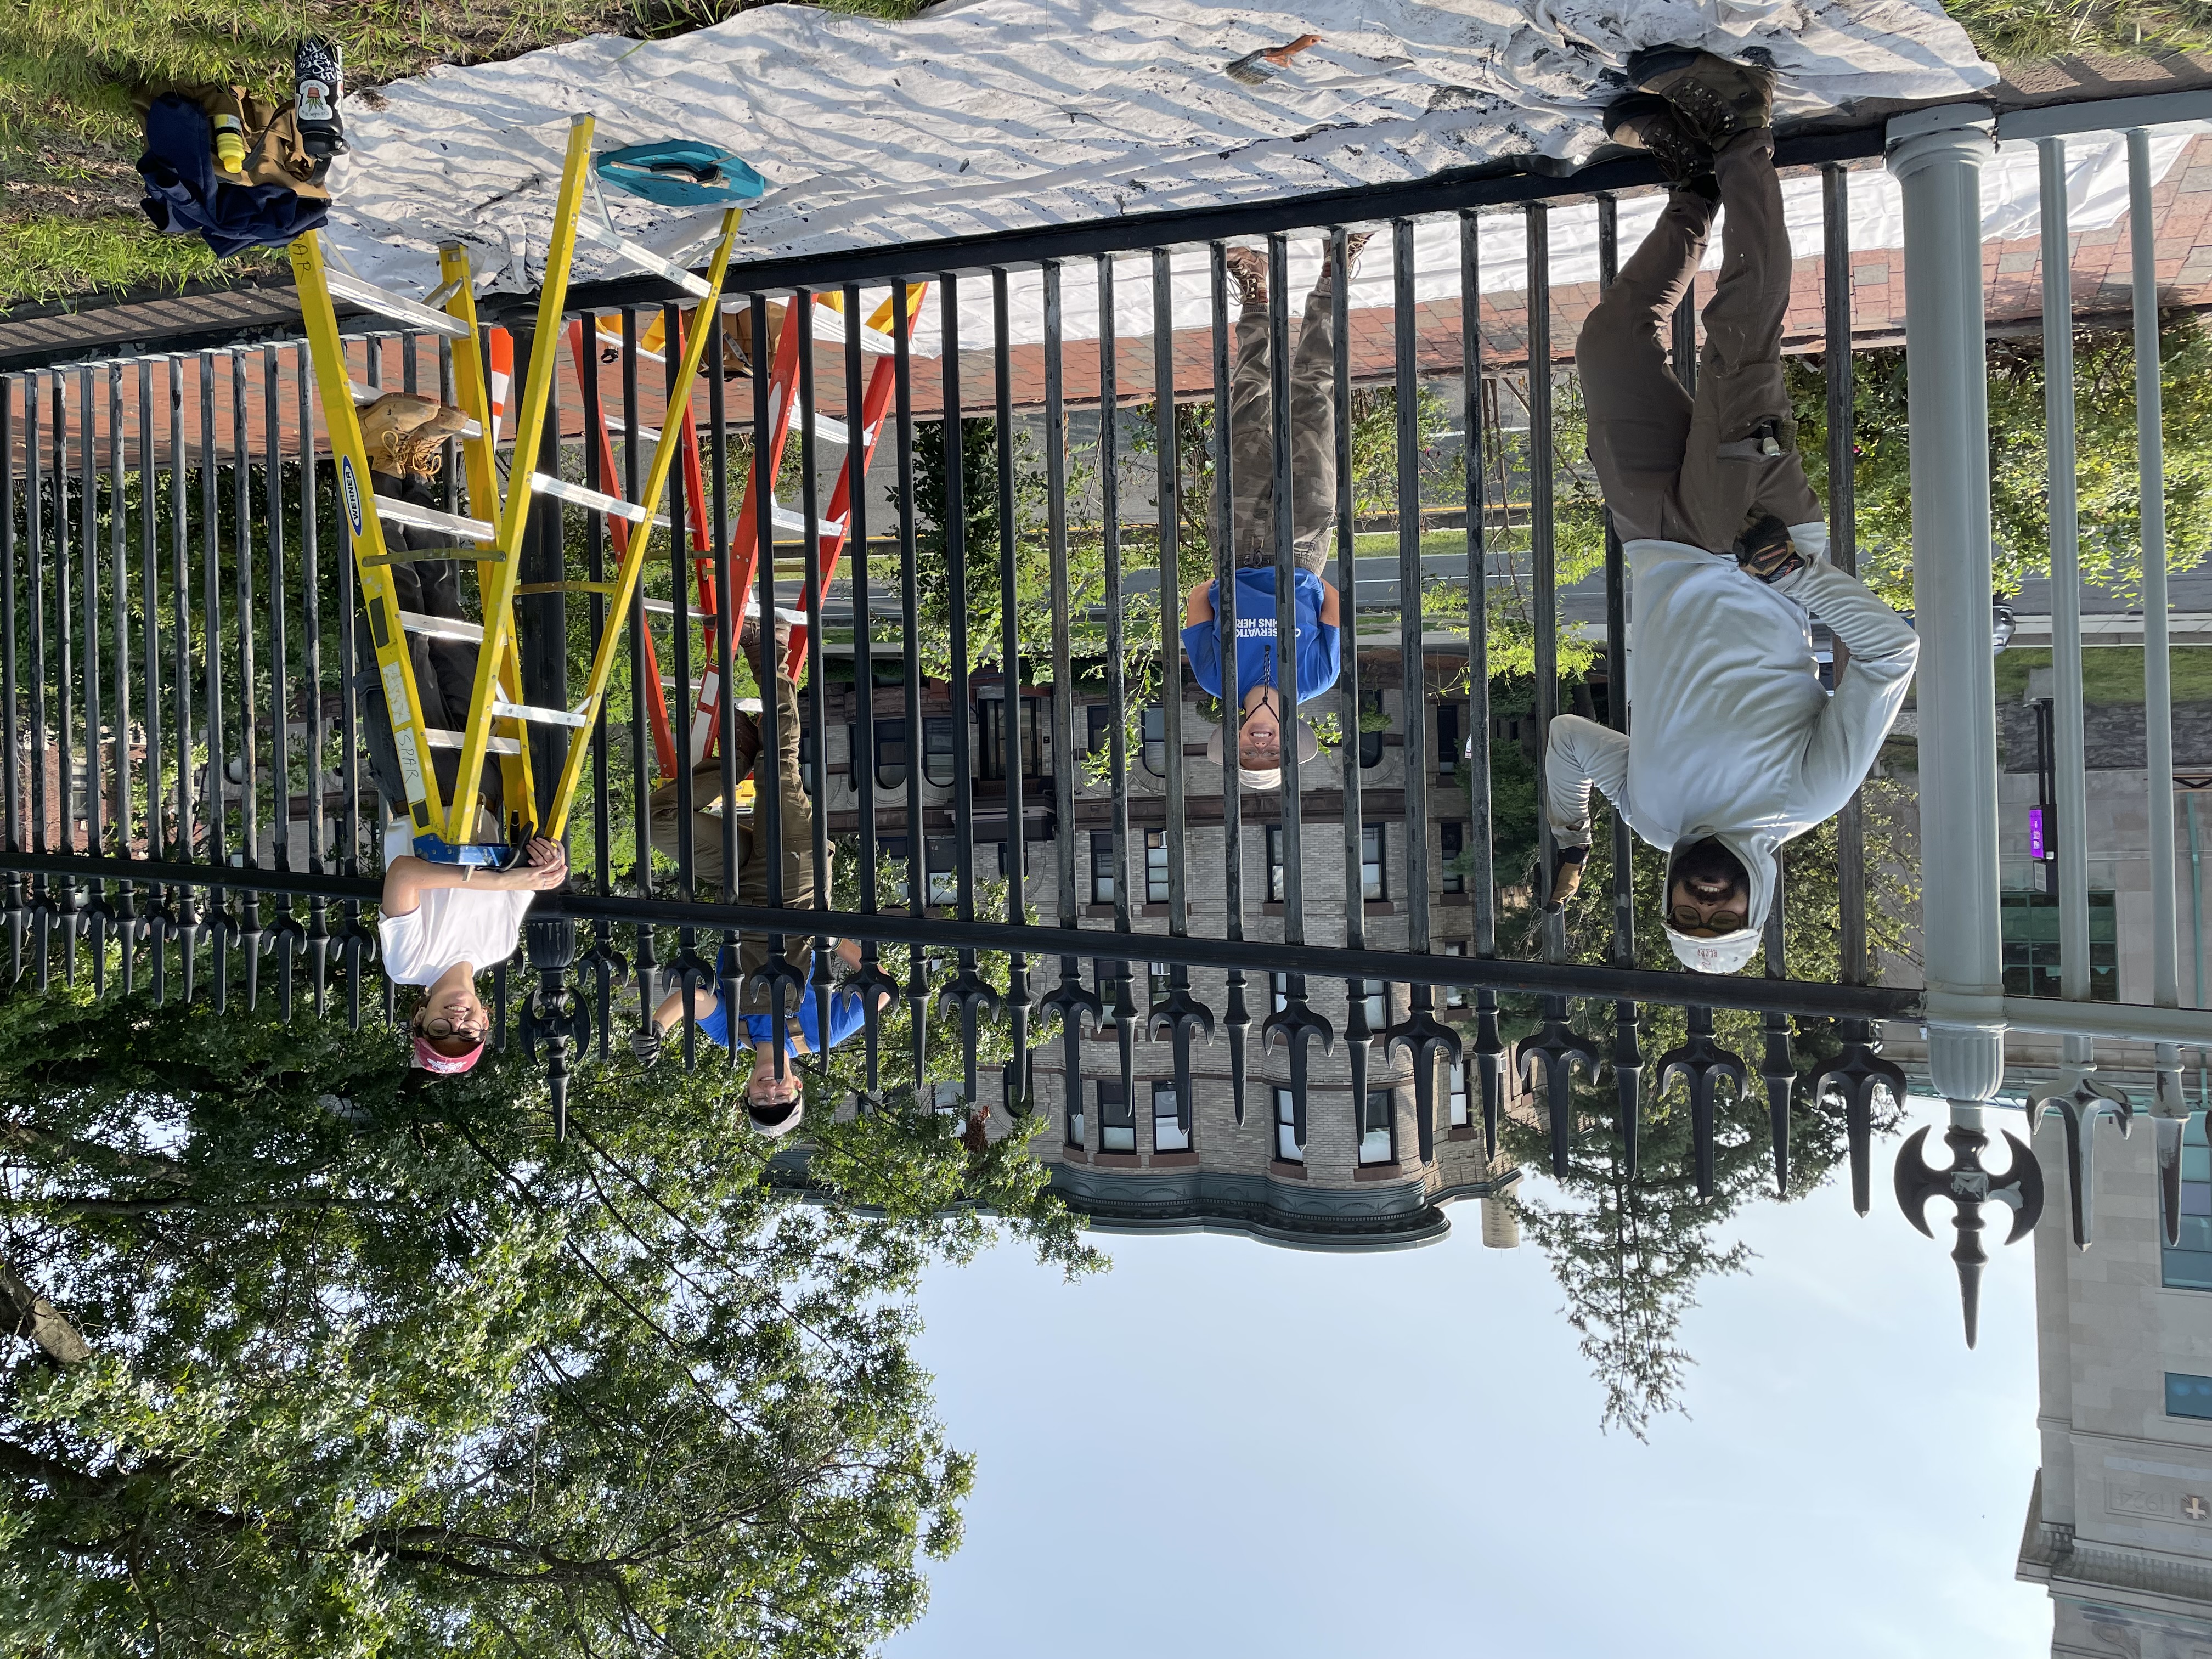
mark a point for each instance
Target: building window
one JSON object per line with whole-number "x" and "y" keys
{"x": 1107, "y": 986}
{"x": 1374, "y": 996}
{"x": 2031, "y": 946}
{"x": 1102, "y": 722}
{"x": 809, "y": 755}
{"x": 2187, "y": 1396}
{"x": 1372, "y": 722}
{"x": 2187, "y": 1265}
{"x": 1156, "y": 742}
{"x": 1376, "y": 1124}
{"x": 1457, "y": 1084}
{"x": 890, "y": 754}
{"x": 1117, "y": 1127}
{"x": 1447, "y": 739}
{"x": 1159, "y": 978}
{"x": 1168, "y": 1132}
{"x": 1454, "y": 995}
{"x": 944, "y": 871}
{"x": 1374, "y": 882}
{"x": 1453, "y": 839}
{"x": 1156, "y": 866}
{"x": 991, "y": 721}
{"x": 1278, "y": 993}
{"x": 1286, "y": 1128}
{"x": 1101, "y": 866}
{"x": 937, "y": 749}
{"x": 1075, "y": 1119}
{"x": 1274, "y": 864}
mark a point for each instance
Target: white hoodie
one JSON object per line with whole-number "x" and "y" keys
{"x": 1732, "y": 735}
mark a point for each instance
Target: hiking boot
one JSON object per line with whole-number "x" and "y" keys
{"x": 1247, "y": 271}
{"x": 1718, "y": 99}
{"x": 1648, "y": 123}
{"x": 388, "y": 428}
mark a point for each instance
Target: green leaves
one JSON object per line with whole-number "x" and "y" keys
{"x": 426, "y": 1381}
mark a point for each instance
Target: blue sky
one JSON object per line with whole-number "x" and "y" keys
{"x": 1222, "y": 1449}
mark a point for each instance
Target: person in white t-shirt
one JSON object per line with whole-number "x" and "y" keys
{"x": 442, "y": 924}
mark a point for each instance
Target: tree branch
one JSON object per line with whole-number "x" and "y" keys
{"x": 24, "y": 1312}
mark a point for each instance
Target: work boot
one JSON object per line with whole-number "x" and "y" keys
{"x": 1247, "y": 271}
{"x": 1651, "y": 124}
{"x": 388, "y": 428}
{"x": 1718, "y": 99}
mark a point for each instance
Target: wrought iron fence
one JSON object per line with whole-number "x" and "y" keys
{"x": 185, "y": 807}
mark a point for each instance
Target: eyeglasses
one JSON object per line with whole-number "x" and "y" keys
{"x": 1687, "y": 919}
{"x": 438, "y": 1028}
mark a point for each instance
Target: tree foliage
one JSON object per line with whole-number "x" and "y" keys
{"x": 364, "y": 1368}
{"x": 2107, "y": 477}
{"x": 1630, "y": 1255}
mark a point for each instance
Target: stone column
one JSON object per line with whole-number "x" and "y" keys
{"x": 1937, "y": 156}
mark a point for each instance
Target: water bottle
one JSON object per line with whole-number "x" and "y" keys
{"x": 316, "y": 67}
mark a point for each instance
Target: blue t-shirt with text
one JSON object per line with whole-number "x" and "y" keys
{"x": 1314, "y": 644}
{"x": 847, "y": 1016}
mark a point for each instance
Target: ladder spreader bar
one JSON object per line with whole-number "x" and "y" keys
{"x": 592, "y": 231}
{"x": 369, "y": 297}
{"x": 431, "y": 518}
{"x": 578, "y": 494}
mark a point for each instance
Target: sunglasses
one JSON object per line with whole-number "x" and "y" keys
{"x": 1699, "y": 925}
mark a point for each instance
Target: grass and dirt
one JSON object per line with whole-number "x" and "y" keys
{"x": 70, "y": 221}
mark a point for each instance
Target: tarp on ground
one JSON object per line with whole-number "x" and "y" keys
{"x": 990, "y": 115}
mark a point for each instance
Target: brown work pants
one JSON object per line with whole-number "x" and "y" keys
{"x": 795, "y": 832}
{"x": 1676, "y": 467}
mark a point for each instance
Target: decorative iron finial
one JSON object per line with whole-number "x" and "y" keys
{"x": 609, "y": 972}
{"x": 1557, "y": 1047}
{"x": 1181, "y": 1016}
{"x": 969, "y": 994}
{"x": 1628, "y": 1077}
{"x": 1297, "y": 1026}
{"x": 553, "y": 1014}
{"x": 1239, "y": 1023}
{"x": 1856, "y": 1073}
{"x": 1704, "y": 1062}
{"x": 1426, "y": 1040}
{"x": 1489, "y": 1066}
{"x": 1072, "y": 998}
{"x": 1969, "y": 1186}
{"x": 2079, "y": 1102}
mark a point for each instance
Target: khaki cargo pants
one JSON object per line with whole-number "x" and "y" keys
{"x": 1682, "y": 469}
{"x": 1313, "y": 436}
{"x": 795, "y": 831}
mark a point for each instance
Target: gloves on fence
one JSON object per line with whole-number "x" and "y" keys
{"x": 1567, "y": 878}
{"x": 646, "y": 1045}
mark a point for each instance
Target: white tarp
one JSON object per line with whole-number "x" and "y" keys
{"x": 986, "y": 115}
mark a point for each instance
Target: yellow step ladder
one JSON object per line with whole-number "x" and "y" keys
{"x": 491, "y": 534}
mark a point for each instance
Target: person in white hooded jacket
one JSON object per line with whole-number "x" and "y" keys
{"x": 1735, "y": 747}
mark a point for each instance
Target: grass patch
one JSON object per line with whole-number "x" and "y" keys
{"x": 2110, "y": 674}
{"x": 69, "y": 222}
{"x": 1383, "y": 543}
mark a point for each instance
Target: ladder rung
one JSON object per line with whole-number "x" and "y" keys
{"x": 827, "y": 430}
{"x": 369, "y": 394}
{"x": 429, "y": 518}
{"x": 441, "y": 740}
{"x": 591, "y": 230}
{"x": 369, "y": 297}
{"x": 829, "y": 329}
{"x": 576, "y": 495}
{"x": 433, "y": 555}
{"x": 523, "y": 711}
{"x": 784, "y": 519}
{"x": 440, "y": 628}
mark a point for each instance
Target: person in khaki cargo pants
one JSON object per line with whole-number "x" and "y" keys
{"x": 772, "y": 1100}
{"x": 1734, "y": 746}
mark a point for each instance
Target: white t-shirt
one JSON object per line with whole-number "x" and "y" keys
{"x": 448, "y": 924}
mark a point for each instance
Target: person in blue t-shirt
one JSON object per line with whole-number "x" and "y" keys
{"x": 1315, "y": 643}
{"x": 773, "y": 1102}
